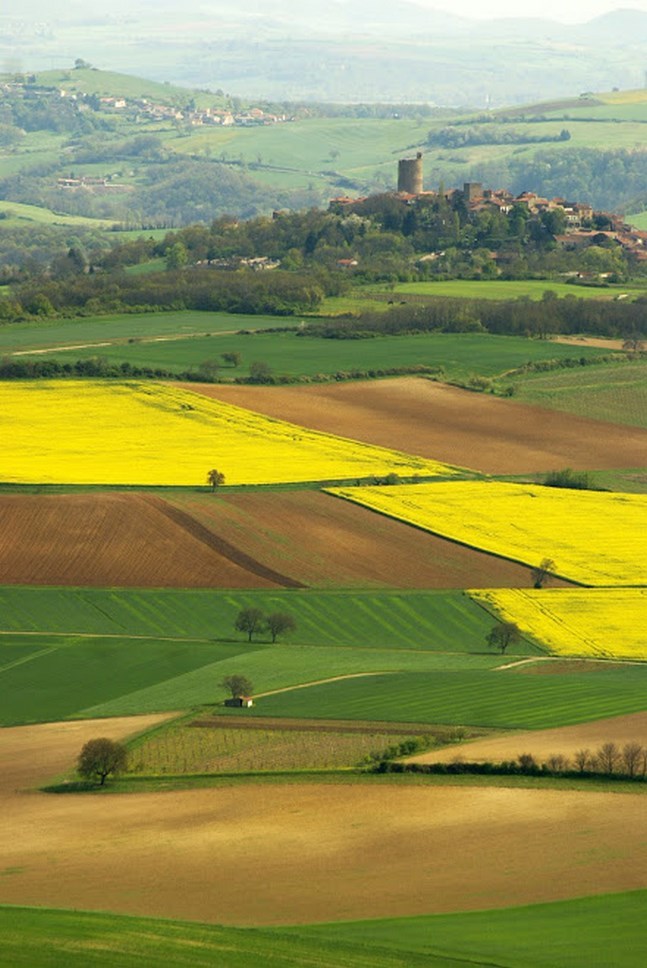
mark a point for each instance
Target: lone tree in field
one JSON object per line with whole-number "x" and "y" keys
{"x": 542, "y": 572}
{"x": 232, "y": 358}
{"x": 502, "y": 635}
{"x": 250, "y": 620}
{"x": 101, "y": 757}
{"x": 279, "y": 622}
{"x": 238, "y": 686}
{"x": 215, "y": 478}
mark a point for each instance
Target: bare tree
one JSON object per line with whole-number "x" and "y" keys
{"x": 631, "y": 758}
{"x": 237, "y": 685}
{"x": 582, "y": 760}
{"x": 101, "y": 757}
{"x": 608, "y": 757}
{"x": 557, "y": 763}
{"x": 502, "y": 635}
{"x": 542, "y": 572}
{"x": 278, "y": 623}
{"x": 215, "y": 478}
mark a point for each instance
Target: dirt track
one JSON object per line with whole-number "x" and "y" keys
{"x": 289, "y": 853}
{"x": 434, "y": 420}
{"x": 542, "y": 743}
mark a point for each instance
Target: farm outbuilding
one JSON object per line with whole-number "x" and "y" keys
{"x": 240, "y": 701}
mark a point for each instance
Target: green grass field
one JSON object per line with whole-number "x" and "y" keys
{"x": 617, "y": 392}
{"x": 95, "y": 652}
{"x": 18, "y": 214}
{"x": 21, "y": 337}
{"x": 512, "y": 289}
{"x": 566, "y": 934}
{"x": 460, "y": 355}
{"x": 507, "y": 699}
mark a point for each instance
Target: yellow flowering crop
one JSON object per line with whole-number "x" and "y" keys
{"x": 604, "y": 622}
{"x": 87, "y": 432}
{"x": 594, "y": 538}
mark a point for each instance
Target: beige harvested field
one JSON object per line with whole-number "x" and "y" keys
{"x": 290, "y": 853}
{"x": 322, "y": 541}
{"x": 543, "y": 743}
{"x": 117, "y": 540}
{"x": 433, "y": 420}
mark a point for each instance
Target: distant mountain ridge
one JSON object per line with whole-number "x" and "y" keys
{"x": 332, "y": 50}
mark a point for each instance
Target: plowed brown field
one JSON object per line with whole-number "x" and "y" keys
{"x": 325, "y": 542}
{"x": 434, "y": 420}
{"x": 291, "y": 853}
{"x": 117, "y": 540}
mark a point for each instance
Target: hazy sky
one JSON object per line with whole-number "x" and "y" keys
{"x": 567, "y": 11}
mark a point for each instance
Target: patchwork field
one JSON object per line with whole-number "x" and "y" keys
{"x": 86, "y": 432}
{"x": 606, "y": 623}
{"x": 490, "y": 434}
{"x": 323, "y": 542}
{"x": 594, "y": 538}
{"x": 133, "y": 841}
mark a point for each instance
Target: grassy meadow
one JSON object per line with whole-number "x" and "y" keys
{"x": 564, "y": 934}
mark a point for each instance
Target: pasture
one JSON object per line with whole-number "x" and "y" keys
{"x": 512, "y": 289}
{"x": 91, "y": 432}
{"x": 591, "y": 537}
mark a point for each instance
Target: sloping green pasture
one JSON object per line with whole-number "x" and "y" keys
{"x": 564, "y": 934}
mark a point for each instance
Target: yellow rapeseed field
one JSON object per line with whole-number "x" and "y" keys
{"x": 602, "y": 622}
{"x": 594, "y": 538}
{"x": 90, "y": 432}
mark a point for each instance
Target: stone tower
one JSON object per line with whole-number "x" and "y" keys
{"x": 410, "y": 175}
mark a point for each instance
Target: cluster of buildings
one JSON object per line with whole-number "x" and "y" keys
{"x": 583, "y": 225}
{"x": 143, "y": 109}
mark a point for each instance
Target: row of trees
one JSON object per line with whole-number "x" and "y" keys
{"x": 609, "y": 760}
{"x": 254, "y": 621}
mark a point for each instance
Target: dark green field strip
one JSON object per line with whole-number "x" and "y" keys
{"x": 460, "y": 355}
{"x": 595, "y": 932}
{"x": 65, "y": 674}
{"x": 475, "y": 698}
{"x": 437, "y": 620}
